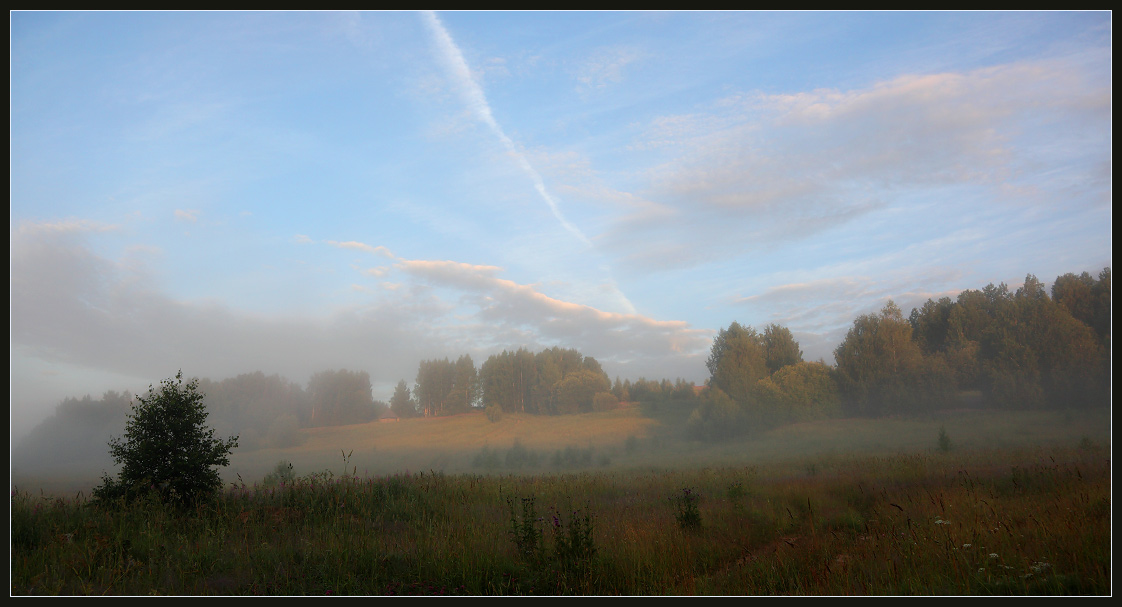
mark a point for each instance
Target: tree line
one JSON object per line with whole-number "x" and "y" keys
{"x": 988, "y": 347}
{"x": 554, "y": 381}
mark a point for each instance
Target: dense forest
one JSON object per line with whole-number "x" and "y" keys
{"x": 988, "y": 348}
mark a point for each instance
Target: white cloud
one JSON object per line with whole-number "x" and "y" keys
{"x": 758, "y": 168}
{"x": 358, "y": 246}
{"x": 508, "y": 306}
{"x": 66, "y": 226}
{"x": 189, "y": 215}
{"x": 605, "y": 67}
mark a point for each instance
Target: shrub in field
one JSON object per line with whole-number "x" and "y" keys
{"x": 487, "y": 458}
{"x": 570, "y": 561}
{"x": 525, "y": 530}
{"x": 736, "y": 491}
{"x": 573, "y": 545}
{"x": 519, "y": 456}
{"x": 944, "y": 440}
{"x": 572, "y": 457}
{"x": 168, "y": 448}
{"x": 494, "y": 413}
{"x": 604, "y": 401}
{"x": 281, "y": 474}
{"x": 689, "y": 516}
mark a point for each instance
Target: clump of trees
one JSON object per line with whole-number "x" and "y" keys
{"x": 76, "y": 432}
{"x": 342, "y": 397}
{"x": 552, "y": 382}
{"x": 1024, "y": 349}
{"x": 266, "y": 411}
{"x": 446, "y": 388}
{"x": 758, "y": 380}
{"x": 882, "y": 370}
{"x": 1020, "y": 350}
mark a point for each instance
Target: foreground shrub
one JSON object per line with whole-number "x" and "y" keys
{"x": 168, "y": 448}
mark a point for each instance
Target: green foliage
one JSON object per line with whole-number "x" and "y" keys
{"x": 737, "y": 360}
{"x": 525, "y": 529}
{"x": 717, "y": 417}
{"x": 265, "y": 411}
{"x": 553, "y": 381}
{"x": 574, "y": 547}
{"x": 1023, "y": 350}
{"x": 282, "y": 474}
{"x": 519, "y": 456}
{"x": 688, "y": 514}
{"x": 604, "y": 401}
{"x": 780, "y": 347}
{"x": 494, "y": 413}
{"x": 446, "y": 388}
{"x": 401, "y": 403}
{"x": 876, "y": 364}
{"x": 736, "y": 491}
{"x": 167, "y": 448}
{"x": 800, "y": 392}
{"x": 487, "y": 459}
{"x": 572, "y": 457}
{"x": 944, "y": 440}
{"x": 574, "y": 393}
{"x": 341, "y": 397}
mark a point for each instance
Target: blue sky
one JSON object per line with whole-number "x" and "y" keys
{"x": 296, "y": 192}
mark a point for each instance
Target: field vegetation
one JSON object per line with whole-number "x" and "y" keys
{"x": 1010, "y": 504}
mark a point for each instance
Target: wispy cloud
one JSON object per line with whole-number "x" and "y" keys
{"x": 605, "y": 66}
{"x": 786, "y": 166}
{"x": 358, "y": 246}
{"x": 473, "y": 96}
{"x": 188, "y": 215}
{"x": 66, "y": 226}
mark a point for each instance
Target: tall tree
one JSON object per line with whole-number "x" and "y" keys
{"x": 341, "y": 397}
{"x": 737, "y": 360}
{"x": 875, "y": 359}
{"x": 781, "y": 348}
{"x": 435, "y": 379}
{"x": 401, "y": 403}
{"x": 465, "y": 390}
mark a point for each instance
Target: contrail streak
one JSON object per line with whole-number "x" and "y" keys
{"x": 477, "y": 102}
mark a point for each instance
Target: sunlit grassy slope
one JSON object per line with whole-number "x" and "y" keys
{"x": 632, "y": 438}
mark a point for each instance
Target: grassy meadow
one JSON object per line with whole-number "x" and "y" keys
{"x": 612, "y": 503}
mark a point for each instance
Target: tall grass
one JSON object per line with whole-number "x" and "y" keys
{"x": 976, "y": 522}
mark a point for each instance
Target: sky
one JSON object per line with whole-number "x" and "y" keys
{"x": 233, "y": 192}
